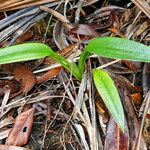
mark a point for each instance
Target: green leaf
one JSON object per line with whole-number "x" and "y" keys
{"x": 23, "y": 52}
{"x": 107, "y": 90}
{"x": 81, "y": 64}
{"x": 31, "y": 51}
{"x": 119, "y": 48}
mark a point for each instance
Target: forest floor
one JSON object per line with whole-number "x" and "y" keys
{"x": 42, "y": 106}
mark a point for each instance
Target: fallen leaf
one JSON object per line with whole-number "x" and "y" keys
{"x": 24, "y": 75}
{"x": 115, "y": 138}
{"x": 8, "y": 147}
{"x": 82, "y": 32}
{"x": 112, "y": 137}
{"x": 130, "y": 64}
{"x": 22, "y": 128}
{"x": 59, "y": 36}
{"x": 48, "y": 75}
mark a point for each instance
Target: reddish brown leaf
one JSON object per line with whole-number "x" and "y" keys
{"x": 22, "y": 128}
{"x": 124, "y": 140}
{"x": 84, "y": 29}
{"x": 49, "y": 75}
{"x": 82, "y": 32}
{"x": 25, "y": 76}
{"x": 115, "y": 138}
{"x": 26, "y": 36}
{"x": 8, "y": 147}
{"x": 112, "y": 137}
{"x": 130, "y": 65}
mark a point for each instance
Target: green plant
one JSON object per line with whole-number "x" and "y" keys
{"x": 105, "y": 47}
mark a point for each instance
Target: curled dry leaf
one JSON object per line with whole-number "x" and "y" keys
{"x": 8, "y": 147}
{"x": 22, "y": 128}
{"x": 83, "y": 32}
{"x": 49, "y": 75}
{"x": 59, "y": 36}
{"x": 24, "y": 75}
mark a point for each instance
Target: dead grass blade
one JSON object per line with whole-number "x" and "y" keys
{"x": 143, "y": 5}
{"x": 5, "y": 100}
{"x": 23, "y": 4}
{"x": 6, "y": 122}
{"x": 59, "y": 16}
{"x": 147, "y": 106}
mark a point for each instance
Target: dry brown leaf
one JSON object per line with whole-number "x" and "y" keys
{"x": 83, "y": 33}
{"x": 22, "y": 128}
{"x": 8, "y": 147}
{"x": 115, "y": 138}
{"x": 112, "y": 137}
{"x": 130, "y": 65}
{"x": 49, "y": 75}
{"x": 24, "y": 75}
{"x": 59, "y": 36}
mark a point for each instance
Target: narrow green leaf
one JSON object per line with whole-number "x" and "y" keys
{"x": 31, "y": 51}
{"x": 119, "y": 48}
{"x": 107, "y": 90}
{"x": 23, "y": 52}
{"x": 83, "y": 57}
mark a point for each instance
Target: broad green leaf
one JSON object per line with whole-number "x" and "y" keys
{"x": 119, "y": 48}
{"x": 107, "y": 90}
{"x": 31, "y": 51}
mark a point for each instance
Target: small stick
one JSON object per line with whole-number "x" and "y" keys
{"x": 108, "y": 64}
{"x": 58, "y": 16}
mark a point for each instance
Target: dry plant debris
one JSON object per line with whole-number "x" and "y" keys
{"x": 42, "y": 106}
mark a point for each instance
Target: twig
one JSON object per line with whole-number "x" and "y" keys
{"x": 58, "y": 16}
{"x": 147, "y": 106}
{"x": 77, "y": 14}
{"x": 108, "y": 64}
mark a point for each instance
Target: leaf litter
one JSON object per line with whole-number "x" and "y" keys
{"x": 69, "y": 114}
